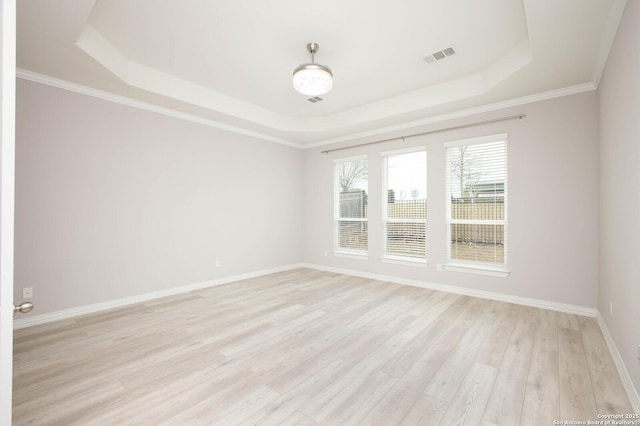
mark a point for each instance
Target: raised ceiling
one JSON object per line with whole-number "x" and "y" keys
{"x": 229, "y": 63}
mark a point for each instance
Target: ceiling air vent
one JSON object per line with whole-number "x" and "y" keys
{"x": 315, "y": 99}
{"x": 440, "y": 55}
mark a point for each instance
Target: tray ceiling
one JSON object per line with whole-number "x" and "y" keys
{"x": 230, "y": 63}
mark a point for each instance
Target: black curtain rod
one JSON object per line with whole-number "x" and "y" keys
{"x": 462, "y": 126}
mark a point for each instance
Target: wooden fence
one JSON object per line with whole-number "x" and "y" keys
{"x": 462, "y": 210}
{"x": 354, "y": 204}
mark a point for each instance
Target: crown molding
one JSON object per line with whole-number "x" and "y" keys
{"x": 123, "y": 100}
{"x": 552, "y": 94}
{"x": 135, "y": 74}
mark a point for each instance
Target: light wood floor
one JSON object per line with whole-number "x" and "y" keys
{"x": 305, "y": 347}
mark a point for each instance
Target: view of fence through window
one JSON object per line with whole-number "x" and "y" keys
{"x": 405, "y": 209}
{"x": 351, "y": 186}
{"x": 476, "y": 188}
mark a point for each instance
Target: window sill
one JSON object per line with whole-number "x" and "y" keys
{"x": 351, "y": 255}
{"x": 477, "y": 269}
{"x": 408, "y": 261}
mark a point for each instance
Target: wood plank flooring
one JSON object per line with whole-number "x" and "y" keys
{"x": 305, "y": 347}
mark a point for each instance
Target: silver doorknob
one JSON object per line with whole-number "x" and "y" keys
{"x": 24, "y": 307}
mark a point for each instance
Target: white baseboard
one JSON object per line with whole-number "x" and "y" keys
{"x": 622, "y": 368}
{"x": 537, "y": 303}
{"x": 526, "y": 301}
{"x": 110, "y": 304}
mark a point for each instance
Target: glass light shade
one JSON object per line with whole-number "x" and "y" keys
{"x": 312, "y": 79}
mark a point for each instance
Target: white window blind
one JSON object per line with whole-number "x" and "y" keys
{"x": 404, "y": 204}
{"x": 350, "y": 205}
{"x": 477, "y": 201}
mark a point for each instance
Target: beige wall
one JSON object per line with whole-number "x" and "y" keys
{"x": 619, "y": 94}
{"x": 553, "y": 203}
{"x": 113, "y": 201}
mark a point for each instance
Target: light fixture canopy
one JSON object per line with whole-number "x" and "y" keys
{"x": 312, "y": 79}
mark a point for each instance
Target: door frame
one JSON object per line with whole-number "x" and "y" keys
{"x": 7, "y": 199}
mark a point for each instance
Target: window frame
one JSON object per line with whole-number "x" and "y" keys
{"x": 337, "y": 250}
{"x": 391, "y": 258}
{"x": 478, "y": 267}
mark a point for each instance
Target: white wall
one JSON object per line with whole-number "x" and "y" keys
{"x": 113, "y": 201}
{"x": 619, "y": 95}
{"x": 553, "y": 203}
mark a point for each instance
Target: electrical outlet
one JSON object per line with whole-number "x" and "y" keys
{"x": 438, "y": 267}
{"x": 27, "y": 292}
{"x": 326, "y": 253}
{"x": 217, "y": 263}
{"x": 611, "y": 308}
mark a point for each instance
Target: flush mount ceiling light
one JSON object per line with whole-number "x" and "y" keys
{"x": 312, "y": 79}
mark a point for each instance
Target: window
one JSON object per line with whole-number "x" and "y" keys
{"x": 477, "y": 202}
{"x": 404, "y": 204}
{"x": 350, "y": 205}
